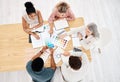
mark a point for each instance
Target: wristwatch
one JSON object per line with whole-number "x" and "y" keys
{"x": 41, "y": 52}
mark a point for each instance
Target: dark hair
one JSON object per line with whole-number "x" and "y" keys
{"x": 62, "y": 7}
{"x": 29, "y": 8}
{"x": 37, "y": 64}
{"x": 75, "y": 62}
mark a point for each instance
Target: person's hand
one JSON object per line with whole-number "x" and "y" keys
{"x": 51, "y": 31}
{"x": 36, "y": 36}
{"x": 66, "y": 53}
{"x": 79, "y": 35}
{"x": 62, "y": 36}
{"x": 29, "y": 29}
{"x": 44, "y": 48}
{"x": 51, "y": 51}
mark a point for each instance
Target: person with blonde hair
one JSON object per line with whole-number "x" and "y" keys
{"x": 61, "y": 10}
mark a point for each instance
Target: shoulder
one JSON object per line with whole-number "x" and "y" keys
{"x": 55, "y": 10}
{"x": 49, "y": 71}
{"x": 69, "y": 10}
{"x": 29, "y": 63}
{"x": 24, "y": 13}
{"x": 38, "y": 12}
{"x": 28, "y": 66}
{"x": 85, "y": 60}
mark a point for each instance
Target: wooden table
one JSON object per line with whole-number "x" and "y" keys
{"x": 15, "y": 50}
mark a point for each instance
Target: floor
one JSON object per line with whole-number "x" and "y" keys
{"x": 105, "y": 13}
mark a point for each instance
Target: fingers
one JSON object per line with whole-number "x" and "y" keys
{"x": 62, "y": 36}
{"x": 44, "y": 48}
{"x": 51, "y": 51}
{"x": 36, "y": 36}
{"x": 51, "y": 31}
{"x": 66, "y": 53}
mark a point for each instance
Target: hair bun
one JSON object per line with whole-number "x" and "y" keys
{"x": 28, "y": 5}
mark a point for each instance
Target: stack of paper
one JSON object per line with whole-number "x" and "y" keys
{"x": 60, "y": 24}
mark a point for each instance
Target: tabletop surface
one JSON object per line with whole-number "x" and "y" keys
{"x": 15, "y": 49}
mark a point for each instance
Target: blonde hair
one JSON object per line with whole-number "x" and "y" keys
{"x": 62, "y": 7}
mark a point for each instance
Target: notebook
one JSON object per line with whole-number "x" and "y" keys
{"x": 60, "y": 24}
{"x": 37, "y": 43}
{"x": 41, "y": 42}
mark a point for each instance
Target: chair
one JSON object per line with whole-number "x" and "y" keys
{"x": 105, "y": 38}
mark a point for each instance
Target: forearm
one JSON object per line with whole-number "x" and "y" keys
{"x": 40, "y": 52}
{"x": 38, "y": 25}
{"x": 70, "y": 18}
{"x": 51, "y": 26}
{"x": 71, "y": 15}
{"x": 53, "y": 65}
{"x": 29, "y": 32}
{"x": 37, "y": 55}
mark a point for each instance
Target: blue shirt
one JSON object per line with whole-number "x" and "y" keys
{"x": 43, "y": 76}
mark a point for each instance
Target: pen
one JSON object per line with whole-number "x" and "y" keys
{"x": 61, "y": 32}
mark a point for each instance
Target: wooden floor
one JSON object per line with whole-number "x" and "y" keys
{"x": 105, "y": 13}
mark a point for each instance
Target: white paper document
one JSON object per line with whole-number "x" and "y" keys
{"x": 76, "y": 42}
{"x": 43, "y": 36}
{"x": 41, "y": 42}
{"x": 57, "y": 54}
{"x": 40, "y": 29}
{"x": 37, "y": 43}
{"x": 60, "y": 24}
{"x": 45, "y": 55}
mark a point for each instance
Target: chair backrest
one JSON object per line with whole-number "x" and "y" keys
{"x": 105, "y": 37}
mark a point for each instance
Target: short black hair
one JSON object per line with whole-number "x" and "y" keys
{"x": 29, "y": 8}
{"x": 75, "y": 62}
{"x": 37, "y": 64}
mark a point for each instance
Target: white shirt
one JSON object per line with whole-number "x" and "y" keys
{"x": 88, "y": 42}
{"x": 31, "y": 22}
{"x": 71, "y": 75}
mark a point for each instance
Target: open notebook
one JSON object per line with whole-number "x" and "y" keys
{"x": 60, "y": 24}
